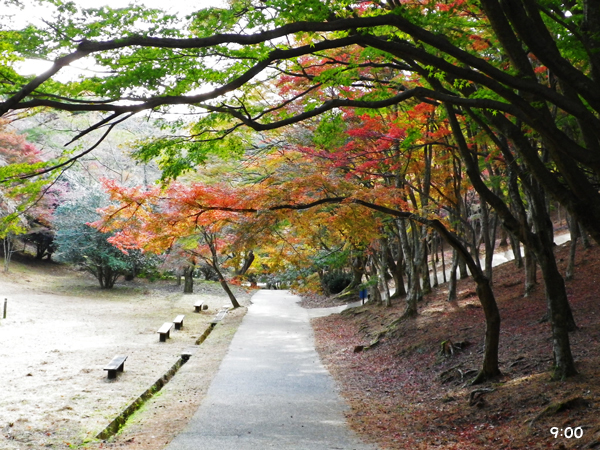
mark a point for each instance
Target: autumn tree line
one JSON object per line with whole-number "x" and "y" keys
{"x": 326, "y": 139}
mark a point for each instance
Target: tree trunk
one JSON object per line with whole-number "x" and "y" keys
{"x": 358, "y": 270}
{"x": 516, "y": 249}
{"x": 488, "y": 227}
{"x": 487, "y": 299}
{"x": 374, "y": 292}
{"x": 574, "y": 230}
{"x": 8, "y": 251}
{"x": 230, "y": 294}
{"x": 443, "y": 261}
{"x": 397, "y": 270}
{"x": 452, "y": 283}
{"x": 426, "y": 279}
{"x": 384, "y": 288}
{"x": 106, "y": 277}
{"x": 585, "y": 237}
{"x": 560, "y": 315}
{"x": 413, "y": 258}
{"x": 248, "y": 260}
{"x": 188, "y": 279}
{"x": 462, "y": 269}
{"x": 224, "y": 284}
{"x": 434, "y": 260}
{"x": 530, "y": 271}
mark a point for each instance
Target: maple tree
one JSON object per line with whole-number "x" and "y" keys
{"x": 20, "y": 203}
{"x": 155, "y": 220}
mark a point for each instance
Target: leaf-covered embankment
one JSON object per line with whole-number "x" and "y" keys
{"x": 405, "y": 393}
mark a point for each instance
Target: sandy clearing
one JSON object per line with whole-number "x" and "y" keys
{"x": 60, "y": 332}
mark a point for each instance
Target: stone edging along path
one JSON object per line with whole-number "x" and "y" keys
{"x": 118, "y": 422}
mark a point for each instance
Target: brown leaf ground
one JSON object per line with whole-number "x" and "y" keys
{"x": 404, "y": 395}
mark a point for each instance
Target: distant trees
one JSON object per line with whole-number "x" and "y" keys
{"x": 80, "y": 243}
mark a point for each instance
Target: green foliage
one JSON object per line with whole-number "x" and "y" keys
{"x": 330, "y": 132}
{"x": 336, "y": 281}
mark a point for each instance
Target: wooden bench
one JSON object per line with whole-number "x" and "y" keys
{"x": 116, "y": 365}
{"x": 164, "y": 331}
{"x": 178, "y": 321}
{"x": 199, "y": 306}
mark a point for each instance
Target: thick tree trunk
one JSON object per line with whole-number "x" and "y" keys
{"x": 358, "y": 270}
{"x": 560, "y": 316}
{"x": 487, "y": 299}
{"x": 374, "y": 292}
{"x": 397, "y": 270}
{"x": 489, "y": 368}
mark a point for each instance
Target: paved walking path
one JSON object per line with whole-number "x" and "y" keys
{"x": 271, "y": 390}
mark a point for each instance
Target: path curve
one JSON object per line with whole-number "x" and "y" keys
{"x": 271, "y": 391}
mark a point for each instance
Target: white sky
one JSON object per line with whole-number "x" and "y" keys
{"x": 20, "y": 18}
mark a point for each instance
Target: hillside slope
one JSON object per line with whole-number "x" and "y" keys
{"x": 405, "y": 395}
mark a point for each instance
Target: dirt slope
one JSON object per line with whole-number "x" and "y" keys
{"x": 404, "y": 395}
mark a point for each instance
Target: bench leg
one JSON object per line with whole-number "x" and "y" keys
{"x": 112, "y": 374}
{"x": 196, "y": 309}
{"x": 121, "y": 367}
{"x": 178, "y": 326}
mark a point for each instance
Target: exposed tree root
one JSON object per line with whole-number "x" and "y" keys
{"x": 483, "y": 376}
{"x": 448, "y": 348}
{"x": 554, "y": 408}
{"x": 476, "y": 396}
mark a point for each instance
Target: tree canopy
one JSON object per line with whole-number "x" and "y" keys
{"x": 501, "y": 95}
{"x": 524, "y": 67}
